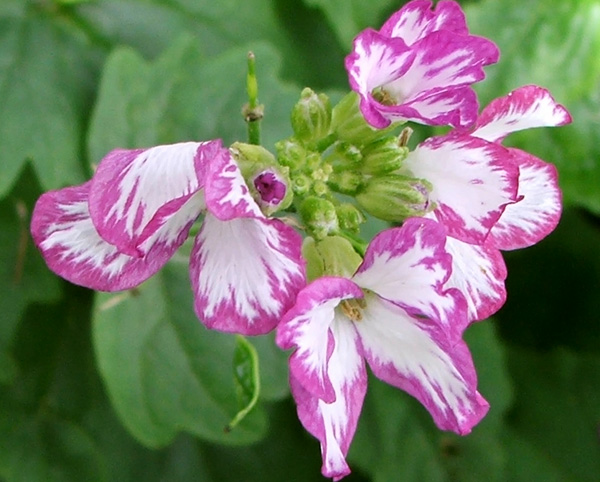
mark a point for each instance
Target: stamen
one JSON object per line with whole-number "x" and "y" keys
{"x": 353, "y": 307}
{"x": 383, "y": 96}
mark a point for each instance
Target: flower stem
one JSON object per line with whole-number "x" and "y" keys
{"x": 253, "y": 111}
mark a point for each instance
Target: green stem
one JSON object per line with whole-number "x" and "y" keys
{"x": 253, "y": 111}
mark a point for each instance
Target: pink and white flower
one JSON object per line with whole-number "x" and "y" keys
{"x": 396, "y": 314}
{"x": 490, "y": 197}
{"x": 420, "y": 67}
{"x": 117, "y": 230}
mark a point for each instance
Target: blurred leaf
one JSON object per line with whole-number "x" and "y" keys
{"x": 558, "y": 408}
{"x": 554, "y": 44}
{"x": 47, "y": 73}
{"x": 183, "y": 96}
{"x": 349, "y": 17}
{"x": 396, "y": 439}
{"x": 164, "y": 372}
{"x": 23, "y": 275}
{"x": 300, "y": 35}
{"x": 246, "y": 378}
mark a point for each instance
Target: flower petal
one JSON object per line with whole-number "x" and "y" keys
{"x": 63, "y": 231}
{"x": 226, "y": 191}
{"x": 334, "y": 423}
{"x": 306, "y": 327}
{"x": 473, "y": 180}
{"x": 523, "y": 108}
{"x": 479, "y": 273}
{"x": 135, "y": 192}
{"x": 409, "y": 266}
{"x": 245, "y": 273}
{"x": 420, "y": 359}
{"x": 416, "y": 20}
{"x": 376, "y": 61}
{"x": 537, "y": 213}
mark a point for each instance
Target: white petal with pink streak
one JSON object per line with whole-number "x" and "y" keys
{"x": 538, "y": 212}
{"x": 473, "y": 180}
{"x": 524, "y": 108}
{"x": 418, "y": 357}
{"x": 479, "y": 273}
{"x": 245, "y": 273}
{"x": 63, "y": 230}
{"x": 135, "y": 192}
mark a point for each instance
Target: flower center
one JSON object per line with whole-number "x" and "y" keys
{"x": 271, "y": 189}
{"x": 383, "y": 96}
{"x": 353, "y": 307}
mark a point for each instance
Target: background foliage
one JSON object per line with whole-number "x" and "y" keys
{"x": 129, "y": 386}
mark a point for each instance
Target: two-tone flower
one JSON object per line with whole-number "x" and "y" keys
{"x": 118, "y": 229}
{"x": 420, "y": 66}
{"x": 490, "y": 197}
{"x": 394, "y": 313}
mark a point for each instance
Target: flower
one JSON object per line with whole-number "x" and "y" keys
{"x": 396, "y": 314}
{"x": 117, "y": 230}
{"x": 419, "y": 67}
{"x": 490, "y": 197}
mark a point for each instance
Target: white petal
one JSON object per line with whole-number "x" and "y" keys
{"x": 245, "y": 273}
{"x": 419, "y": 358}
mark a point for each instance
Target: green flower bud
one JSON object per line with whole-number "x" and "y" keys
{"x": 395, "y": 198}
{"x": 330, "y": 256}
{"x": 345, "y": 182}
{"x": 349, "y": 217}
{"x": 311, "y": 116}
{"x": 301, "y": 184}
{"x": 291, "y": 153}
{"x": 344, "y": 156}
{"x": 350, "y": 125}
{"x": 319, "y": 217}
{"x": 383, "y": 156}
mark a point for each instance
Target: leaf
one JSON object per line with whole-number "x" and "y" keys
{"x": 246, "y": 378}
{"x": 348, "y": 18}
{"x": 163, "y": 371}
{"x": 183, "y": 96}
{"x": 44, "y": 94}
{"x": 396, "y": 439}
{"x": 554, "y": 44}
{"x": 558, "y": 408}
{"x": 23, "y": 275}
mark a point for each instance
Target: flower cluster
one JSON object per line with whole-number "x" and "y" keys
{"x": 400, "y": 302}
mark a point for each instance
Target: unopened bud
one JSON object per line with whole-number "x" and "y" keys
{"x": 350, "y": 125}
{"x": 383, "y": 156}
{"x": 349, "y": 217}
{"x": 319, "y": 217}
{"x": 345, "y": 182}
{"x": 311, "y": 116}
{"x": 291, "y": 153}
{"x": 330, "y": 256}
{"x": 395, "y": 198}
{"x": 301, "y": 184}
{"x": 344, "y": 156}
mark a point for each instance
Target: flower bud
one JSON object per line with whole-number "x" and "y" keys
{"x": 319, "y": 217}
{"x": 345, "y": 182}
{"x": 383, "y": 156}
{"x": 344, "y": 156}
{"x": 330, "y": 256}
{"x": 395, "y": 198}
{"x": 266, "y": 180}
{"x": 350, "y": 125}
{"x": 311, "y": 116}
{"x": 291, "y": 153}
{"x": 349, "y": 217}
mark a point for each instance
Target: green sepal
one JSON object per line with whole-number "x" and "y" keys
{"x": 311, "y": 116}
{"x": 330, "y": 256}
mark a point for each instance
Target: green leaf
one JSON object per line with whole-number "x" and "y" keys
{"x": 183, "y": 96}
{"x": 554, "y": 44}
{"x": 558, "y": 408}
{"x": 23, "y": 274}
{"x": 396, "y": 439}
{"x": 246, "y": 378}
{"x": 348, "y": 18}
{"x": 47, "y": 73}
{"x": 163, "y": 371}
